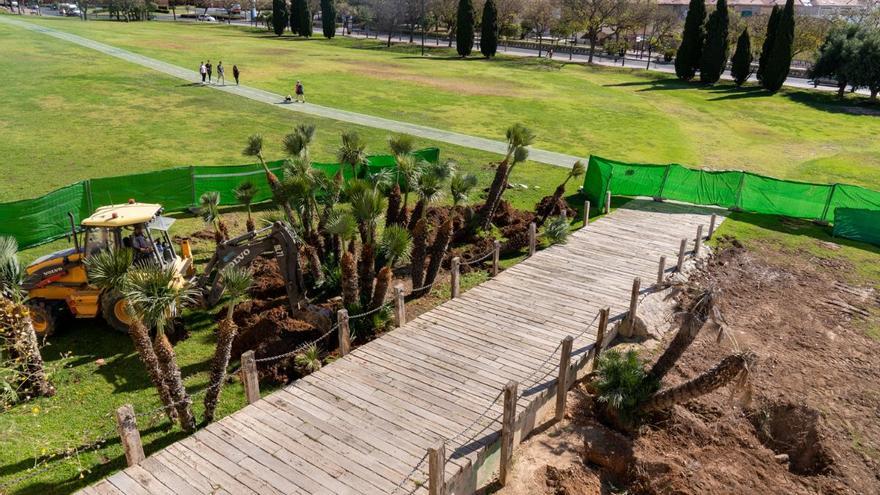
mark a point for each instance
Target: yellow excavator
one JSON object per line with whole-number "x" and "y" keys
{"x": 59, "y": 283}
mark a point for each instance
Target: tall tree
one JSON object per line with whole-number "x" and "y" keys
{"x": 489, "y": 30}
{"x": 295, "y": 16}
{"x": 662, "y": 24}
{"x": 305, "y": 18}
{"x": 779, "y": 59}
{"x": 864, "y": 61}
{"x": 279, "y": 16}
{"x": 687, "y": 59}
{"x": 769, "y": 40}
{"x": 592, "y": 17}
{"x": 464, "y": 28}
{"x": 832, "y": 60}
{"x": 541, "y": 15}
{"x": 741, "y": 63}
{"x": 328, "y": 18}
{"x": 715, "y": 50}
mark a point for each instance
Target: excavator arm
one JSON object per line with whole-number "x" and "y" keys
{"x": 275, "y": 241}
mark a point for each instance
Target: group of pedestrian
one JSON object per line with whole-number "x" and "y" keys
{"x": 206, "y": 70}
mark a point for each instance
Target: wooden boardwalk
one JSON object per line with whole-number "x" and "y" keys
{"x": 362, "y": 424}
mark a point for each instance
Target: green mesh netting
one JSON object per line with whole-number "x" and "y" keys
{"x": 172, "y": 188}
{"x": 34, "y": 221}
{"x": 224, "y": 179}
{"x": 857, "y": 224}
{"x": 782, "y": 197}
{"x": 702, "y": 187}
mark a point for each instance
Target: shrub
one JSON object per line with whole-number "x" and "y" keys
{"x": 623, "y": 384}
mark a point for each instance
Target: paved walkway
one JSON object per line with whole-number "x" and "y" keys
{"x": 483, "y": 144}
{"x": 362, "y": 424}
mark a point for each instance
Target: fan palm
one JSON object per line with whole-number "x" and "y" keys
{"x": 519, "y": 137}
{"x": 309, "y": 360}
{"x": 157, "y": 295}
{"x": 401, "y": 145}
{"x": 409, "y": 169}
{"x": 460, "y": 186}
{"x": 236, "y": 284}
{"x": 396, "y": 245}
{"x": 430, "y": 186}
{"x": 16, "y": 323}
{"x": 297, "y": 143}
{"x": 556, "y": 230}
{"x": 245, "y": 194}
{"x": 107, "y": 270}
{"x": 255, "y": 148}
{"x": 352, "y": 152}
{"x": 209, "y": 208}
{"x": 367, "y": 206}
{"x": 577, "y": 170}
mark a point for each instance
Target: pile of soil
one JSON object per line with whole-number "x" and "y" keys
{"x": 513, "y": 225}
{"x": 548, "y": 208}
{"x": 808, "y": 423}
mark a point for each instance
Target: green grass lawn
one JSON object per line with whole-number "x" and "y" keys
{"x": 624, "y": 114}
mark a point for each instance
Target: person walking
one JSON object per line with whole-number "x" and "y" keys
{"x": 220, "y": 73}
{"x": 235, "y": 73}
{"x": 203, "y": 71}
{"x": 300, "y": 92}
{"x": 210, "y": 70}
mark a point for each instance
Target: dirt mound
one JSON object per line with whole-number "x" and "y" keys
{"x": 546, "y": 207}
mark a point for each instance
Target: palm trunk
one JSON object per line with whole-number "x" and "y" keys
{"x": 228, "y": 329}
{"x": 393, "y": 211}
{"x": 140, "y": 337}
{"x": 250, "y": 224}
{"x": 438, "y": 252}
{"x": 314, "y": 263}
{"x": 551, "y": 206}
{"x": 171, "y": 372}
{"x": 383, "y": 281}
{"x": 418, "y": 213}
{"x": 419, "y": 251}
{"x": 692, "y": 321}
{"x": 499, "y": 182}
{"x": 722, "y": 373}
{"x": 366, "y": 272}
{"x": 26, "y": 347}
{"x": 277, "y": 191}
{"x": 348, "y": 266}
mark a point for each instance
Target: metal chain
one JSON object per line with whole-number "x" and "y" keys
{"x": 413, "y": 291}
{"x": 481, "y": 258}
{"x": 368, "y": 313}
{"x": 299, "y": 348}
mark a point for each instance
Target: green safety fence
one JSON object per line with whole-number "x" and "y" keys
{"x": 857, "y": 224}
{"x": 729, "y": 189}
{"x": 39, "y": 220}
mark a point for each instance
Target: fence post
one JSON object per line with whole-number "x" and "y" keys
{"x": 607, "y": 202}
{"x": 698, "y": 242}
{"x": 712, "y": 221}
{"x": 508, "y": 418}
{"x": 634, "y": 300}
{"x": 437, "y": 469}
{"x": 496, "y": 257}
{"x": 249, "y": 377}
{"x": 681, "y": 250}
{"x": 586, "y": 213}
{"x": 126, "y": 425}
{"x": 344, "y": 332}
{"x": 399, "y": 306}
{"x": 661, "y": 270}
{"x": 562, "y": 380}
{"x": 604, "y": 314}
{"x": 533, "y": 238}
{"x": 455, "y": 277}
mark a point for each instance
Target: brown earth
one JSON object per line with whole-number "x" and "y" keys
{"x": 809, "y": 422}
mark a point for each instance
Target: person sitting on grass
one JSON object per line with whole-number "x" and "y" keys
{"x": 300, "y": 93}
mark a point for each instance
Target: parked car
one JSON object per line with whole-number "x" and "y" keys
{"x": 206, "y": 18}
{"x": 235, "y": 9}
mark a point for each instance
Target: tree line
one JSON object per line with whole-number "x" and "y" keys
{"x": 850, "y": 55}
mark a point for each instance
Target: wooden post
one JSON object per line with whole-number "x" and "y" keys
{"x": 586, "y": 213}
{"x": 533, "y": 238}
{"x": 455, "y": 277}
{"x": 344, "y": 332}
{"x": 437, "y": 469}
{"x": 681, "y": 250}
{"x": 607, "y": 202}
{"x": 634, "y": 300}
{"x": 126, "y": 425}
{"x": 562, "y": 380}
{"x": 661, "y": 270}
{"x": 508, "y": 418}
{"x": 249, "y": 377}
{"x": 399, "y": 306}
{"x": 712, "y": 221}
{"x": 698, "y": 242}
{"x": 496, "y": 258}
{"x": 604, "y": 314}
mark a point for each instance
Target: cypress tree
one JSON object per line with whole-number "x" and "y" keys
{"x": 741, "y": 63}
{"x": 779, "y": 59}
{"x": 294, "y": 16}
{"x": 305, "y": 18}
{"x": 489, "y": 30}
{"x": 328, "y": 18}
{"x": 769, "y": 39}
{"x": 715, "y": 51}
{"x": 464, "y": 30}
{"x": 279, "y": 16}
{"x": 687, "y": 59}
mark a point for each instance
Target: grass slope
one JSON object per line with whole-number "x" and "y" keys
{"x": 622, "y": 114}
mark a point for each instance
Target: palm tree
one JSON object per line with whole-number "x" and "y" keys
{"x": 245, "y": 194}
{"x": 209, "y": 208}
{"x": 556, "y": 231}
{"x": 430, "y": 186}
{"x": 236, "y": 284}
{"x": 409, "y": 169}
{"x": 460, "y": 186}
{"x": 107, "y": 270}
{"x": 352, "y": 151}
{"x": 297, "y": 143}
{"x": 577, "y": 170}
{"x": 255, "y": 148}
{"x": 396, "y": 245}
{"x": 367, "y": 205}
{"x": 438, "y": 252}
{"x": 309, "y": 360}
{"x": 16, "y": 320}
{"x": 518, "y": 138}
{"x": 401, "y": 145}
{"x": 301, "y": 186}
{"x": 419, "y": 252}
{"x": 157, "y": 295}
{"x": 343, "y": 227}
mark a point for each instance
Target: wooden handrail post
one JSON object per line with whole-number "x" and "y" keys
{"x": 698, "y": 242}
{"x": 249, "y": 377}
{"x": 604, "y": 314}
{"x": 681, "y": 250}
{"x": 496, "y": 257}
{"x": 455, "y": 277}
{"x": 634, "y": 300}
{"x": 507, "y": 424}
{"x": 563, "y": 379}
{"x": 344, "y": 332}
{"x": 126, "y": 425}
{"x": 661, "y": 270}
{"x": 533, "y": 238}
{"x": 712, "y": 221}
{"x": 437, "y": 469}
{"x": 399, "y": 306}
{"x": 607, "y": 202}
{"x": 586, "y": 213}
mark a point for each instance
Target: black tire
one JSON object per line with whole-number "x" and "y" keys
{"x": 44, "y": 317}
{"x": 114, "y": 311}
